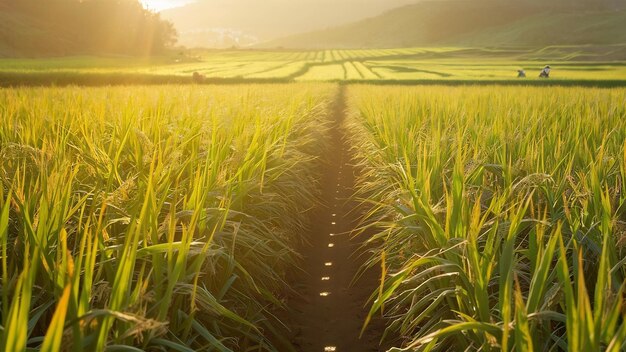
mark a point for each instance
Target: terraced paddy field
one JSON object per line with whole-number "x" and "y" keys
{"x": 411, "y": 65}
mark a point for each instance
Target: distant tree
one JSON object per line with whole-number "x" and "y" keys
{"x": 101, "y": 26}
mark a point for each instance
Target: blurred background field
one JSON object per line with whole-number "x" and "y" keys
{"x": 428, "y": 64}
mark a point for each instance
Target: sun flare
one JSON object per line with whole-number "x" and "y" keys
{"x": 160, "y": 5}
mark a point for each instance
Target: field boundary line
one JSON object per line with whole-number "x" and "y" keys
{"x": 11, "y": 79}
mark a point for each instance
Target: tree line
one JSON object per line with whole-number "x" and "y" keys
{"x": 90, "y": 27}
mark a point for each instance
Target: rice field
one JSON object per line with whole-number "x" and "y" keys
{"x": 401, "y": 65}
{"x": 324, "y": 73}
{"x": 500, "y": 215}
{"x": 171, "y": 218}
{"x": 352, "y": 72}
{"x": 153, "y": 218}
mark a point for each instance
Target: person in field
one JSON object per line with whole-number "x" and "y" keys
{"x": 521, "y": 73}
{"x": 545, "y": 73}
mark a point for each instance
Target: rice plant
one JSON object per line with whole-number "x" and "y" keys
{"x": 500, "y": 215}
{"x": 153, "y": 218}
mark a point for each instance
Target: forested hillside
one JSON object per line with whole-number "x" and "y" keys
{"x": 477, "y": 23}
{"x": 66, "y": 27}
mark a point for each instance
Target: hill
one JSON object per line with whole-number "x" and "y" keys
{"x": 553, "y": 28}
{"x": 469, "y": 23}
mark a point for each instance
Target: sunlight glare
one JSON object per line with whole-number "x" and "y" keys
{"x": 160, "y": 5}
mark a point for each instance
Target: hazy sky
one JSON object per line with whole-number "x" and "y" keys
{"x": 159, "y": 5}
{"x": 207, "y": 22}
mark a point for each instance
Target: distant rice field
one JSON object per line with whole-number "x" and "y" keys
{"x": 411, "y": 64}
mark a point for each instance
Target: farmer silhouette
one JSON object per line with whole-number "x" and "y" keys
{"x": 545, "y": 73}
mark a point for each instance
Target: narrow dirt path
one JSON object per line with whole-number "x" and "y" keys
{"x": 331, "y": 311}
